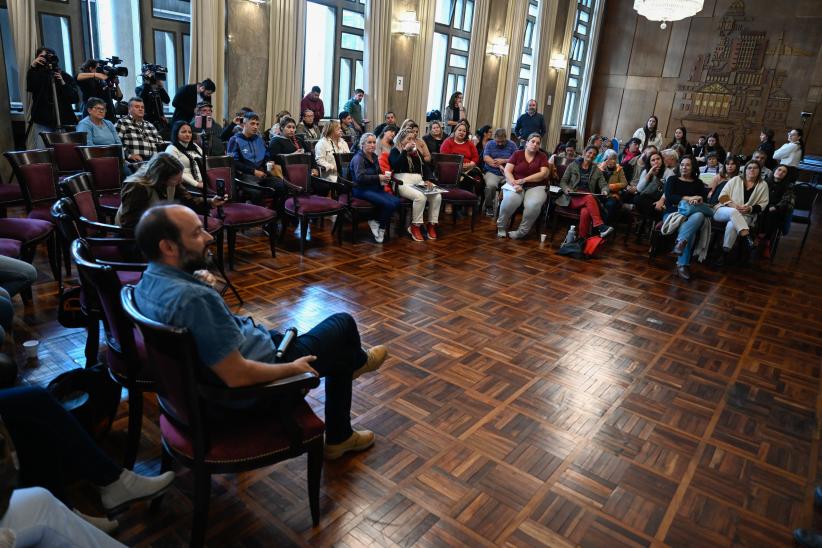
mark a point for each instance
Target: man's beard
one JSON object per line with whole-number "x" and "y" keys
{"x": 191, "y": 261}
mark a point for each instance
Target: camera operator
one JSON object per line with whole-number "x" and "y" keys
{"x": 53, "y": 91}
{"x": 93, "y": 82}
{"x": 208, "y": 130}
{"x": 188, "y": 96}
{"x": 154, "y": 96}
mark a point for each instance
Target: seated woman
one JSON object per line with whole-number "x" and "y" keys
{"x": 742, "y": 199}
{"x": 331, "y": 143}
{"x": 649, "y": 188}
{"x": 385, "y": 140}
{"x": 629, "y": 158}
{"x": 615, "y": 179}
{"x": 422, "y": 147}
{"x": 188, "y": 153}
{"x": 581, "y": 183}
{"x": 567, "y": 156}
{"x": 307, "y": 127}
{"x": 459, "y": 143}
{"x": 288, "y": 141}
{"x": 604, "y": 146}
{"x": 727, "y": 171}
{"x": 485, "y": 135}
{"x": 685, "y": 186}
{"x": 435, "y": 137}
{"x": 526, "y": 174}
{"x": 157, "y": 180}
{"x": 408, "y": 166}
{"x": 711, "y": 145}
{"x": 369, "y": 181}
{"x": 670, "y": 159}
{"x": 780, "y": 205}
{"x": 100, "y": 131}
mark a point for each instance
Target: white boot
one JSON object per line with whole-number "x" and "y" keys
{"x": 131, "y": 487}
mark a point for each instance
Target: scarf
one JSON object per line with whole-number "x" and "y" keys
{"x": 192, "y": 158}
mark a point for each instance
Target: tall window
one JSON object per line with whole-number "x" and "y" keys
{"x": 449, "y": 59}
{"x": 10, "y": 56}
{"x": 166, "y": 38}
{"x": 334, "y": 47}
{"x": 112, "y": 28}
{"x": 524, "y": 87}
{"x": 580, "y": 45}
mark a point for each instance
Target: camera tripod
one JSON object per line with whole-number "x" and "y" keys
{"x": 206, "y": 211}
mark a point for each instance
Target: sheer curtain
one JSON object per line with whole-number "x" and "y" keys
{"x": 24, "y": 33}
{"x": 377, "y": 58}
{"x": 208, "y": 48}
{"x": 509, "y": 67}
{"x": 476, "y": 60}
{"x": 286, "y": 55}
{"x": 421, "y": 63}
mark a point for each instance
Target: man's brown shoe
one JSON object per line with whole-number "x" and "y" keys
{"x": 360, "y": 440}
{"x": 376, "y": 357}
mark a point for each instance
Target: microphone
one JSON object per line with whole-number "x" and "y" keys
{"x": 289, "y": 335}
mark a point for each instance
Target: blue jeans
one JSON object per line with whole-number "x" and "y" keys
{"x": 53, "y": 448}
{"x": 16, "y": 275}
{"x": 385, "y": 203}
{"x": 688, "y": 231}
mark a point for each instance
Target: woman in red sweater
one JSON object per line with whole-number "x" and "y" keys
{"x": 459, "y": 143}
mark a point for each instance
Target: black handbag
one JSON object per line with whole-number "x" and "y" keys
{"x": 69, "y": 308}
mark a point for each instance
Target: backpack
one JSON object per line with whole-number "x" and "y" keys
{"x": 582, "y": 249}
{"x": 592, "y": 246}
{"x": 572, "y": 249}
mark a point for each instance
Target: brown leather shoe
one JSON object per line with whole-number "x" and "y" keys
{"x": 683, "y": 272}
{"x": 432, "y": 231}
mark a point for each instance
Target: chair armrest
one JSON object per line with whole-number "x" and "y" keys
{"x": 123, "y": 266}
{"x": 252, "y": 186}
{"x": 105, "y": 227}
{"x": 296, "y": 385}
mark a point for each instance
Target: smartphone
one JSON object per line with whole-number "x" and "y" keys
{"x": 220, "y": 188}
{"x": 202, "y": 122}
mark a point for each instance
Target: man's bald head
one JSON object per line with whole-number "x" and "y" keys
{"x": 158, "y": 223}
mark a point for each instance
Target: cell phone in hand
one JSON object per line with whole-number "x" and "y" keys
{"x": 220, "y": 188}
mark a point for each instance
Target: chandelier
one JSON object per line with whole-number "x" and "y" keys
{"x": 667, "y": 10}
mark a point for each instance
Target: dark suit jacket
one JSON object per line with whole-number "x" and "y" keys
{"x": 184, "y": 103}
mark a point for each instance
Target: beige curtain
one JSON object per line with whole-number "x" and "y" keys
{"x": 208, "y": 38}
{"x": 286, "y": 55}
{"x": 24, "y": 34}
{"x": 377, "y": 58}
{"x": 421, "y": 62}
{"x": 510, "y": 65}
{"x": 476, "y": 60}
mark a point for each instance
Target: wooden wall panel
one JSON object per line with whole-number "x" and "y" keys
{"x": 737, "y": 66}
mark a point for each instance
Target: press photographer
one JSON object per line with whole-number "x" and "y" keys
{"x": 100, "y": 78}
{"x": 188, "y": 97}
{"x": 53, "y": 92}
{"x": 154, "y": 96}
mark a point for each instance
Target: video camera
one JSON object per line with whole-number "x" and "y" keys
{"x": 110, "y": 69}
{"x": 159, "y": 71}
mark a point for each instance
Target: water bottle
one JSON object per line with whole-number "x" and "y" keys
{"x": 572, "y": 235}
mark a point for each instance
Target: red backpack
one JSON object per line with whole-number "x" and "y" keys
{"x": 592, "y": 246}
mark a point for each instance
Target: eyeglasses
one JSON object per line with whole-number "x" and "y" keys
{"x": 99, "y": 109}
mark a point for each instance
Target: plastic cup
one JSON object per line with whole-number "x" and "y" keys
{"x": 542, "y": 238}
{"x": 31, "y": 348}
{"x": 269, "y": 166}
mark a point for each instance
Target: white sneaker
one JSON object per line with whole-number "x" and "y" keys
{"x": 108, "y": 526}
{"x": 501, "y": 233}
{"x": 375, "y": 228}
{"x": 333, "y": 220}
{"x": 298, "y": 232}
{"x": 131, "y": 487}
{"x": 515, "y": 235}
{"x": 381, "y": 236}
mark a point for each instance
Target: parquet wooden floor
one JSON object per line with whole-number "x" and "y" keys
{"x": 529, "y": 399}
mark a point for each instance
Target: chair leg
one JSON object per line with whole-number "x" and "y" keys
{"x": 474, "y": 212}
{"x": 315, "y": 468}
{"x": 219, "y": 244}
{"x": 805, "y": 237}
{"x": 272, "y": 237}
{"x": 135, "y": 427}
{"x": 303, "y": 233}
{"x": 355, "y": 223}
{"x": 232, "y": 243}
{"x": 66, "y": 253}
{"x": 341, "y": 221}
{"x": 54, "y": 259}
{"x": 166, "y": 462}
{"x": 202, "y": 494}
{"x": 92, "y": 341}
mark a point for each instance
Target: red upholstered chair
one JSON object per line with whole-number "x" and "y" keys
{"x": 106, "y": 165}
{"x": 10, "y": 195}
{"x": 35, "y": 171}
{"x": 448, "y": 171}
{"x": 302, "y": 204}
{"x": 356, "y": 208}
{"x": 80, "y": 190}
{"x": 236, "y": 215}
{"x": 126, "y": 357}
{"x": 10, "y": 248}
{"x": 65, "y": 150}
{"x": 252, "y": 441}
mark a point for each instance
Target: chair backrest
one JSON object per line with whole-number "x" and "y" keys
{"x": 172, "y": 352}
{"x": 105, "y": 163}
{"x": 297, "y": 169}
{"x": 447, "y": 168}
{"x": 220, "y": 167}
{"x": 101, "y": 280}
{"x": 65, "y": 149}
{"x": 80, "y": 189}
{"x": 64, "y": 215}
{"x": 343, "y": 159}
{"x": 805, "y": 197}
{"x": 36, "y": 172}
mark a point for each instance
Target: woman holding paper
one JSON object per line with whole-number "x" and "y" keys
{"x": 408, "y": 166}
{"x": 526, "y": 174}
{"x": 580, "y": 184}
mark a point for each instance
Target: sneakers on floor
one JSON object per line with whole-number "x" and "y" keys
{"x": 489, "y": 211}
{"x": 360, "y": 440}
{"x": 515, "y": 235}
{"x": 375, "y": 229}
{"x": 376, "y": 357}
{"x": 416, "y": 233}
{"x": 605, "y": 230}
{"x": 298, "y": 232}
{"x": 431, "y": 230}
{"x": 380, "y": 236}
{"x": 131, "y": 487}
{"x": 501, "y": 233}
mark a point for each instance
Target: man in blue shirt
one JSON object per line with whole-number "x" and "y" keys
{"x": 495, "y": 156}
{"x": 530, "y": 122}
{"x": 234, "y": 350}
{"x": 251, "y": 159}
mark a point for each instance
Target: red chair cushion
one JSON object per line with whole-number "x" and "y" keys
{"x": 313, "y": 204}
{"x": 42, "y": 212}
{"x": 459, "y": 195}
{"x": 10, "y": 193}
{"x": 129, "y": 277}
{"x": 25, "y": 230}
{"x": 256, "y": 436}
{"x": 9, "y": 248}
{"x": 242, "y": 214}
{"x": 214, "y": 224}
{"x": 109, "y": 200}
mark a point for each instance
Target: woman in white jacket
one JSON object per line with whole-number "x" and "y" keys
{"x": 188, "y": 152}
{"x": 331, "y": 143}
{"x": 742, "y": 199}
{"x": 791, "y": 153}
{"x": 649, "y": 135}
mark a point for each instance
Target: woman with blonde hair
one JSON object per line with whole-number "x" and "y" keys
{"x": 422, "y": 146}
{"x": 330, "y": 144}
{"x": 408, "y": 166}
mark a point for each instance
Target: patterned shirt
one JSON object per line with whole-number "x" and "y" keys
{"x": 139, "y": 137}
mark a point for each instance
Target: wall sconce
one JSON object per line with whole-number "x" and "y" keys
{"x": 558, "y": 62}
{"x": 499, "y": 47}
{"x": 407, "y": 24}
